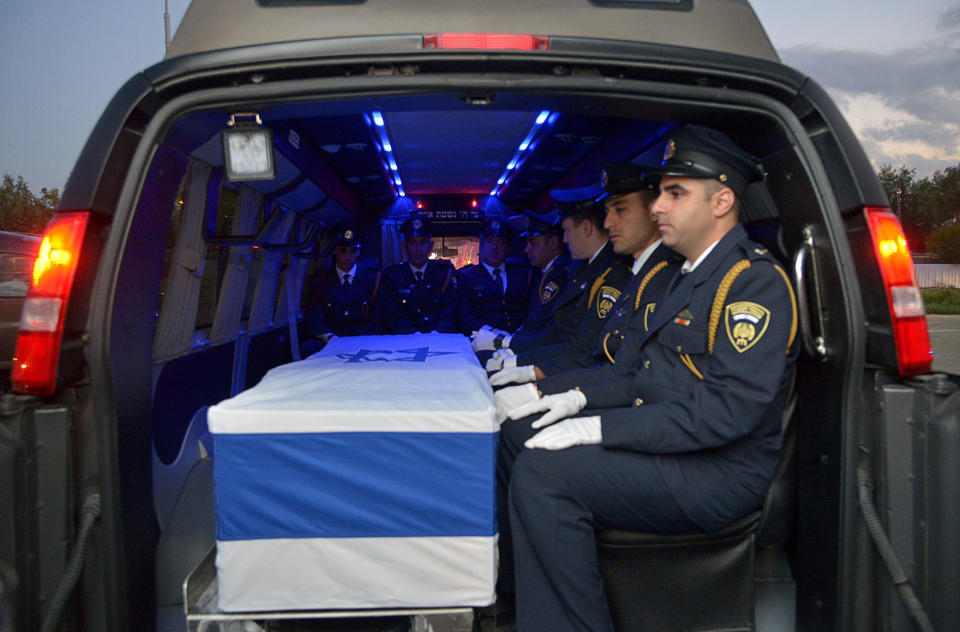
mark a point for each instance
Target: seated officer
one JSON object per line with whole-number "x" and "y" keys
{"x": 345, "y": 300}
{"x": 579, "y": 312}
{"x": 493, "y": 293}
{"x": 546, "y": 253}
{"x": 627, "y": 198}
{"x": 421, "y": 294}
{"x": 690, "y": 441}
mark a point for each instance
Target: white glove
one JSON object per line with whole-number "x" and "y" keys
{"x": 557, "y": 406}
{"x": 482, "y": 339}
{"x": 514, "y": 375}
{"x": 567, "y": 433}
{"x": 509, "y": 361}
{"x": 509, "y": 398}
{"x": 501, "y": 359}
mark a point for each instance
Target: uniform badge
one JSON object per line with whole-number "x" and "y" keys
{"x": 549, "y": 292}
{"x": 647, "y": 312}
{"x": 608, "y": 296}
{"x": 669, "y": 150}
{"x": 683, "y": 318}
{"x": 746, "y": 322}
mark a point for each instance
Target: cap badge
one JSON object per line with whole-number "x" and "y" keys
{"x": 494, "y": 225}
{"x": 417, "y": 224}
{"x": 604, "y": 178}
{"x": 348, "y": 234}
{"x": 669, "y": 150}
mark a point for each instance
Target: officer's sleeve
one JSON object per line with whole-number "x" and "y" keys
{"x": 447, "y": 305}
{"x": 314, "y": 310}
{"x": 738, "y": 383}
{"x": 396, "y": 317}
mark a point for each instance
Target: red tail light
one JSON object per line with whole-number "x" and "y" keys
{"x": 907, "y": 313}
{"x": 486, "y": 41}
{"x": 41, "y": 324}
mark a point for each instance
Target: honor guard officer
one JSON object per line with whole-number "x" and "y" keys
{"x": 493, "y": 292}
{"x": 420, "y": 294}
{"x": 345, "y": 300}
{"x": 627, "y": 197}
{"x": 545, "y": 252}
{"x": 598, "y": 275}
{"x": 690, "y": 442}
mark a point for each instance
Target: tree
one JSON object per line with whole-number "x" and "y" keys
{"x": 904, "y": 191}
{"x": 21, "y": 210}
{"x": 945, "y": 243}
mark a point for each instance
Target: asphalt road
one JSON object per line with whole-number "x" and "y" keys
{"x": 945, "y": 340}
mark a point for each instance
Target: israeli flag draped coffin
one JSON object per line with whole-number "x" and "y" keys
{"x": 360, "y": 477}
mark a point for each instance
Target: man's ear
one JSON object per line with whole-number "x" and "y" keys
{"x": 722, "y": 201}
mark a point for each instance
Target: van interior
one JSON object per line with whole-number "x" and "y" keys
{"x": 225, "y": 286}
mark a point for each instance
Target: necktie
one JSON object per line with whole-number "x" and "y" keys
{"x": 346, "y": 280}
{"x": 498, "y": 277}
{"x": 419, "y": 276}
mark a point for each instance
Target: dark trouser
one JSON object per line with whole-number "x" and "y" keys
{"x": 556, "y": 500}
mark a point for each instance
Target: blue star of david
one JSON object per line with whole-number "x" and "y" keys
{"x": 418, "y": 354}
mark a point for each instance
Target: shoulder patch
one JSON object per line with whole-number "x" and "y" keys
{"x": 606, "y": 297}
{"x": 549, "y": 292}
{"x": 746, "y": 322}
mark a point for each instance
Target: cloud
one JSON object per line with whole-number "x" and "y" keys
{"x": 949, "y": 20}
{"x": 904, "y": 105}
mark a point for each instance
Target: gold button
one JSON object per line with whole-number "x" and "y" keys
{"x": 638, "y": 402}
{"x": 646, "y": 364}
{"x": 621, "y": 337}
{"x": 679, "y": 348}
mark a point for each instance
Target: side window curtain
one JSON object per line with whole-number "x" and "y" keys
{"x": 293, "y": 279}
{"x": 226, "y": 323}
{"x": 265, "y": 295}
{"x": 179, "y": 308}
{"x": 390, "y": 238}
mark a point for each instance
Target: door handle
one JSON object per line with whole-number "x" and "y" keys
{"x": 814, "y": 343}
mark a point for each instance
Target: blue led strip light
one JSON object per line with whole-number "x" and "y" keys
{"x": 525, "y": 149}
{"x": 378, "y": 127}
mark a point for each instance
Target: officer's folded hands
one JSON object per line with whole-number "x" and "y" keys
{"x": 514, "y": 375}
{"x": 567, "y": 433}
{"x": 482, "y": 339}
{"x": 508, "y": 399}
{"x": 501, "y": 359}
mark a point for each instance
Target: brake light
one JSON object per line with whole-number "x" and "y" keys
{"x": 42, "y": 320}
{"x": 486, "y": 41}
{"x": 907, "y": 313}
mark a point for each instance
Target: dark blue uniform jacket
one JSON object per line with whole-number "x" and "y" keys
{"x": 707, "y": 392}
{"x": 580, "y": 311}
{"x": 544, "y": 301}
{"x": 345, "y": 311}
{"x": 481, "y": 302}
{"x": 424, "y": 306}
{"x": 625, "y": 315}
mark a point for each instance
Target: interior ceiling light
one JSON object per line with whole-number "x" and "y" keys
{"x": 525, "y": 148}
{"x": 379, "y": 129}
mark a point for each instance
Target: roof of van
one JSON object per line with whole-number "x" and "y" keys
{"x": 728, "y": 26}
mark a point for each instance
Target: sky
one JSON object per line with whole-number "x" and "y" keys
{"x": 892, "y": 66}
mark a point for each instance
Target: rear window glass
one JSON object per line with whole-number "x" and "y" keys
{"x": 15, "y": 271}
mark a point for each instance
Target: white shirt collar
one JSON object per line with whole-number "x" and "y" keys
{"x": 642, "y": 259}
{"x": 547, "y": 267}
{"x": 690, "y": 267}
{"x": 490, "y": 269}
{"x": 352, "y": 272}
{"x": 415, "y": 269}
